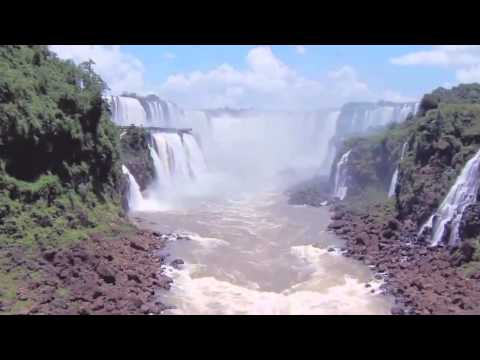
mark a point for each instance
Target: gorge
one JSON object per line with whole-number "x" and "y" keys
{"x": 221, "y": 227}
{"x": 133, "y": 204}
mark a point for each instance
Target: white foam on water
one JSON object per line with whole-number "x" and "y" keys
{"x": 248, "y": 256}
{"x": 209, "y": 296}
{"x": 197, "y": 294}
{"x": 208, "y": 242}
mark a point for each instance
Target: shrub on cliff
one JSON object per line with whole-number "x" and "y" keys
{"x": 462, "y": 94}
{"x": 59, "y": 167}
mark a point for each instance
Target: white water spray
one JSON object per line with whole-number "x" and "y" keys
{"x": 135, "y": 198}
{"x": 341, "y": 177}
{"x": 329, "y": 145}
{"x": 196, "y": 162}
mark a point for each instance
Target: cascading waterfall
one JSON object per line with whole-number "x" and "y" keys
{"x": 233, "y": 140}
{"x": 195, "y": 158}
{"x": 357, "y": 119}
{"x": 161, "y": 165}
{"x": 177, "y": 158}
{"x": 393, "y": 183}
{"x": 135, "y": 197}
{"x": 128, "y": 111}
{"x": 149, "y": 111}
{"x": 329, "y": 135}
{"x": 179, "y": 161}
{"x": 462, "y": 194}
{"x": 341, "y": 177}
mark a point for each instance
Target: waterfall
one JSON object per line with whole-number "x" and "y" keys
{"x": 145, "y": 111}
{"x": 359, "y": 118}
{"x": 195, "y": 156}
{"x": 177, "y": 159}
{"x": 328, "y": 142}
{"x": 161, "y": 165}
{"x": 256, "y": 143}
{"x": 135, "y": 198}
{"x": 341, "y": 177}
{"x": 393, "y": 183}
{"x": 128, "y": 111}
{"x": 462, "y": 194}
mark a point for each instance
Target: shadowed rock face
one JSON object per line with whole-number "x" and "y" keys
{"x": 135, "y": 154}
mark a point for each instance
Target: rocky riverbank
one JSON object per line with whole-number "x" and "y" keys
{"x": 423, "y": 279}
{"x": 120, "y": 274}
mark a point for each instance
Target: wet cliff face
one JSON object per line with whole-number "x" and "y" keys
{"x": 59, "y": 159}
{"x": 362, "y": 119}
{"x": 443, "y": 140}
{"x": 373, "y": 159}
{"x": 135, "y": 155}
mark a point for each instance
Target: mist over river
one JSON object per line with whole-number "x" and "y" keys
{"x": 255, "y": 254}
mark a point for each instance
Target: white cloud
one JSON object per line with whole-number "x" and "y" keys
{"x": 267, "y": 82}
{"x": 300, "y": 49}
{"x": 391, "y": 95}
{"x": 470, "y": 74}
{"x": 345, "y": 81}
{"x": 121, "y": 71}
{"x": 463, "y": 59}
{"x": 169, "y": 56}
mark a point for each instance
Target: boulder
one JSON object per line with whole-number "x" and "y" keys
{"x": 176, "y": 264}
{"x": 106, "y": 273}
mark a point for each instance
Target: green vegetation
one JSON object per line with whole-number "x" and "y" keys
{"x": 59, "y": 158}
{"x": 462, "y": 94}
{"x": 443, "y": 136}
{"x": 374, "y": 158}
{"x": 9, "y": 286}
{"x": 442, "y": 141}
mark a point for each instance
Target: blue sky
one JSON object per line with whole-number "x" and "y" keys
{"x": 371, "y": 61}
{"x": 287, "y": 76}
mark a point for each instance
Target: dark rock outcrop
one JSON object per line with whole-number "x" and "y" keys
{"x": 314, "y": 192}
{"x": 135, "y": 154}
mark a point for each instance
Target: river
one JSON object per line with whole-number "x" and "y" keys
{"x": 256, "y": 254}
